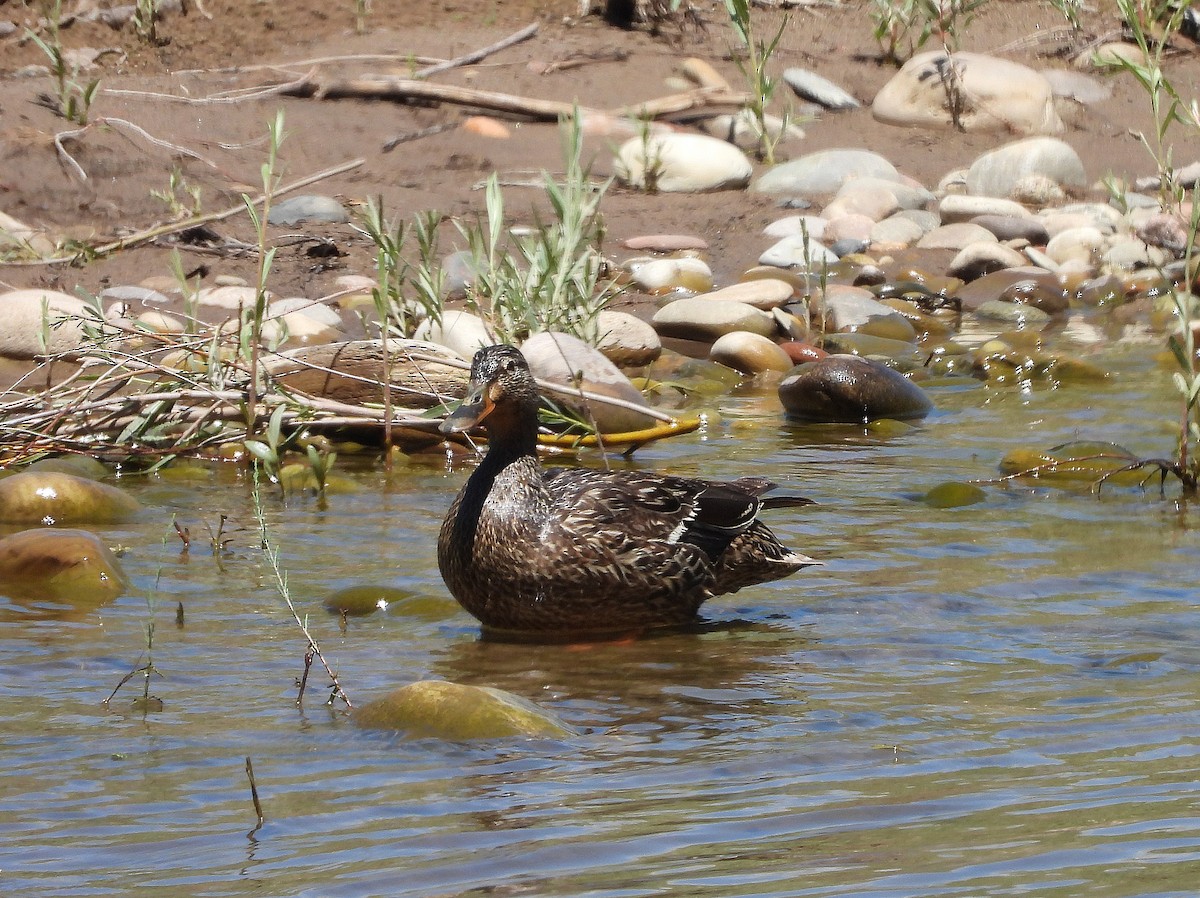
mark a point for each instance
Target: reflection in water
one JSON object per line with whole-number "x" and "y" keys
{"x": 987, "y": 700}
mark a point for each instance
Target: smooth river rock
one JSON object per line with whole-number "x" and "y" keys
{"x": 823, "y": 173}
{"x": 682, "y": 163}
{"x": 848, "y": 389}
{"x": 51, "y": 497}
{"x": 39, "y": 322}
{"x": 563, "y": 359}
{"x": 697, "y": 318}
{"x": 998, "y": 95}
{"x": 1005, "y": 172}
{"x": 49, "y": 564}
{"x": 459, "y": 712}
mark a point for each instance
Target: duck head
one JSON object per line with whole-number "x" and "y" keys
{"x": 502, "y": 394}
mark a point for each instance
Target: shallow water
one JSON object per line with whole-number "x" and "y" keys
{"x": 1000, "y": 699}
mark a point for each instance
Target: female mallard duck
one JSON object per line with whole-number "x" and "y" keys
{"x": 576, "y": 549}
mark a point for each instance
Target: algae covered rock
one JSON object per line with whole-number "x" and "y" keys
{"x": 49, "y": 564}
{"x": 52, "y": 497}
{"x": 455, "y": 711}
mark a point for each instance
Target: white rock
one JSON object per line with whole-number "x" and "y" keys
{"x": 741, "y": 129}
{"x": 997, "y": 172}
{"x": 228, "y": 296}
{"x": 563, "y": 359}
{"x": 682, "y": 163}
{"x": 697, "y": 318}
{"x": 895, "y": 233}
{"x": 872, "y": 201}
{"x": 998, "y": 95}
{"x": 749, "y": 353}
{"x": 796, "y": 253}
{"x": 626, "y": 340}
{"x": 849, "y": 227}
{"x": 1076, "y": 244}
{"x": 961, "y": 207}
{"x": 796, "y": 226}
{"x": 823, "y": 173}
{"x": 762, "y": 293}
{"x": 956, "y": 236}
{"x": 822, "y": 91}
{"x": 1134, "y": 253}
{"x": 908, "y": 195}
{"x": 317, "y": 311}
{"x": 685, "y": 273}
{"x": 460, "y": 331}
{"x": 29, "y": 316}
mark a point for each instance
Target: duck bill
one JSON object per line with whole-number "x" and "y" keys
{"x": 475, "y": 407}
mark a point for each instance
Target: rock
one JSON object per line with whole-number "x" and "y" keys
{"x": 796, "y": 226}
{"x": 797, "y": 253}
{"x": 626, "y": 340}
{"x": 999, "y": 172}
{"x": 697, "y": 318}
{"x": 307, "y": 207}
{"x": 682, "y": 163}
{"x": 1012, "y": 227}
{"x": 134, "y": 294}
{"x": 460, "y": 331}
{"x": 908, "y": 195}
{"x": 486, "y": 126}
{"x": 849, "y": 234}
{"x": 1076, "y": 86}
{"x": 850, "y": 390}
{"x": 762, "y": 293}
{"x": 665, "y": 243}
{"x": 874, "y": 201}
{"x": 1114, "y": 56}
{"x": 229, "y": 296}
{"x": 955, "y": 207}
{"x": 955, "y": 236}
{"x": 741, "y": 129}
{"x": 48, "y": 564}
{"x": 820, "y": 90}
{"x": 352, "y": 372}
{"x": 954, "y": 494}
{"x": 799, "y": 351}
{"x": 977, "y": 259}
{"x": 998, "y": 95}
{"x": 563, "y": 359}
{"x": 1134, "y": 253}
{"x": 50, "y": 498}
{"x": 1015, "y": 314}
{"x": 903, "y": 355}
{"x": 895, "y": 233}
{"x": 749, "y": 353}
{"x": 1024, "y": 285}
{"x": 22, "y": 240}
{"x": 1078, "y": 244}
{"x": 822, "y": 174}
{"x": 657, "y": 276}
{"x": 78, "y": 465}
{"x": 855, "y": 309}
{"x": 364, "y": 599}
{"x": 454, "y": 711}
{"x": 34, "y": 323}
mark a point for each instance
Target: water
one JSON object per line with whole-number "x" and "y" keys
{"x": 985, "y": 701}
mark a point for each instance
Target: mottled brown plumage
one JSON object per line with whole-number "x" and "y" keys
{"x": 573, "y": 549}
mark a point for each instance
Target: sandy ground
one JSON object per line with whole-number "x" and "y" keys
{"x": 241, "y": 44}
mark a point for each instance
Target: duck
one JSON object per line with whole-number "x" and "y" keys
{"x": 528, "y": 548}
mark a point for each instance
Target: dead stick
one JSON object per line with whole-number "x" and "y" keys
{"x": 552, "y": 110}
{"x": 474, "y": 56}
{"x": 254, "y": 794}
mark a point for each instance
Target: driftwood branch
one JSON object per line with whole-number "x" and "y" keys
{"x": 475, "y": 55}
{"x": 406, "y": 89}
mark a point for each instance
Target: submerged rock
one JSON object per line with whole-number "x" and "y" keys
{"x": 849, "y": 389}
{"x": 51, "y": 497}
{"x": 47, "y": 564}
{"x": 455, "y": 711}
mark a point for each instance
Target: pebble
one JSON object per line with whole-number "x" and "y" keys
{"x": 1002, "y": 95}
{"x": 999, "y": 172}
{"x": 762, "y": 293}
{"x": 852, "y": 390}
{"x": 307, "y": 207}
{"x": 27, "y": 333}
{"x": 665, "y": 243}
{"x": 820, "y": 90}
{"x": 797, "y": 253}
{"x": 626, "y": 340}
{"x": 977, "y": 259}
{"x": 697, "y": 318}
{"x": 682, "y": 163}
{"x": 823, "y": 173}
{"x": 749, "y": 353}
{"x": 567, "y": 360}
{"x": 670, "y": 275}
{"x": 955, "y": 236}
